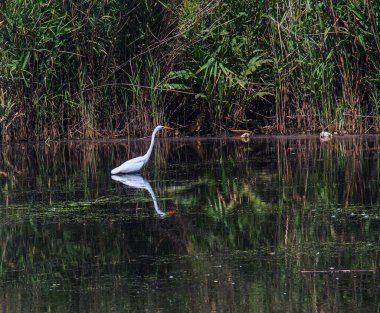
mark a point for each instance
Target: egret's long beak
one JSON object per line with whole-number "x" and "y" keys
{"x": 168, "y": 128}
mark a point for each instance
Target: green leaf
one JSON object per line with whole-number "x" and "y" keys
{"x": 262, "y": 94}
{"x": 209, "y": 63}
{"x": 225, "y": 70}
{"x": 201, "y": 96}
{"x": 221, "y": 88}
{"x": 182, "y": 74}
{"x": 26, "y": 60}
{"x": 175, "y": 86}
{"x": 361, "y": 40}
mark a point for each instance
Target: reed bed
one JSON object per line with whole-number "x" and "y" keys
{"x": 86, "y": 69}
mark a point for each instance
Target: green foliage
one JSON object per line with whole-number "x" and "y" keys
{"x": 324, "y": 66}
{"x": 225, "y": 67}
{"x": 51, "y": 60}
{"x": 88, "y": 68}
{"x": 63, "y": 65}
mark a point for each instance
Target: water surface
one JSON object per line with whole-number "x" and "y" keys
{"x": 210, "y": 225}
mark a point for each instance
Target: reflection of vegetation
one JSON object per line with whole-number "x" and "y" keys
{"x": 249, "y": 219}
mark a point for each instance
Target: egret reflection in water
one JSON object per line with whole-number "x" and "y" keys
{"x": 137, "y": 181}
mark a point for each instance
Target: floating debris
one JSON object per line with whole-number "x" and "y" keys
{"x": 245, "y": 136}
{"x": 325, "y": 136}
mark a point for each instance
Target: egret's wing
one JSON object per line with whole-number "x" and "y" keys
{"x": 130, "y": 166}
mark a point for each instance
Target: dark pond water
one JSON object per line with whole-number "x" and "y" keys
{"x": 211, "y": 225}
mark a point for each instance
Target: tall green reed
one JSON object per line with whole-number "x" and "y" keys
{"x": 64, "y": 65}
{"x": 324, "y": 64}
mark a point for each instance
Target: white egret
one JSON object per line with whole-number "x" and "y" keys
{"x": 136, "y": 164}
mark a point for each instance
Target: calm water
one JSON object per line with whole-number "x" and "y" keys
{"x": 216, "y": 225}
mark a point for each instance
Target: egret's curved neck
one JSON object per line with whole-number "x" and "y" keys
{"x": 149, "y": 152}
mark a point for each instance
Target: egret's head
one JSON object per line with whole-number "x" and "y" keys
{"x": 159, "y": 127}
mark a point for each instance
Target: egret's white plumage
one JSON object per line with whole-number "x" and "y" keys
{"x": 136, "y": 164}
